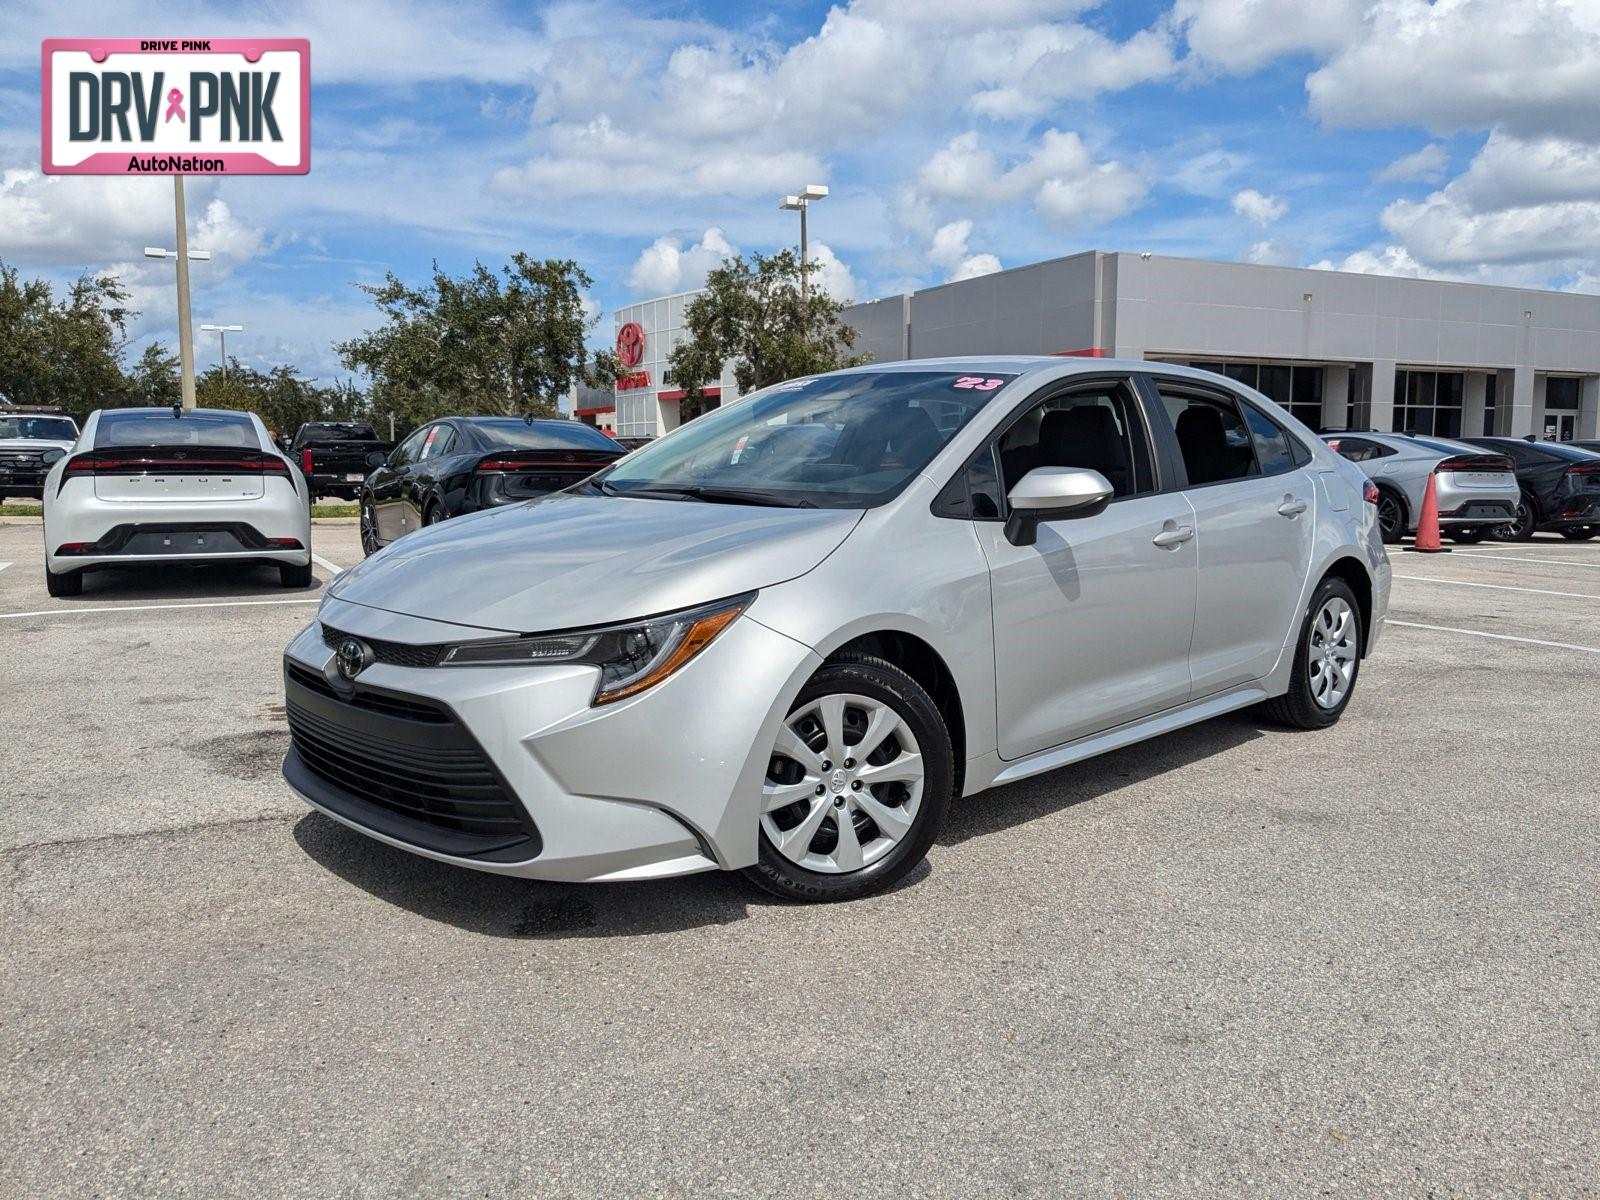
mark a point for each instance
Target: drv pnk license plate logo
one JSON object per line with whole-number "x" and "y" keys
{"x": 167, "y": 106}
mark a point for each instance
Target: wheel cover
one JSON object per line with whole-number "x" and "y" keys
{"x": 369, "y": 535}
{"x": 1331, "y": 653}
{"x": 1388, "y": 513}
{"x": 844, "y": 784}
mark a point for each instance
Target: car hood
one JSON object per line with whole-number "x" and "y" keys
{"x": 33, "y": 444}
{"x": 564, "y": 561}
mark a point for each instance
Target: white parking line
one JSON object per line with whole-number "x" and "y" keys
{"x": 1497, "y": 587}
{"x": 1499, "y": 637}
{"x": 1559, "y": 562}
{"x": 324, "y": 563}
{"x": 105, "y": 608}
{"x": 4, "y": 565}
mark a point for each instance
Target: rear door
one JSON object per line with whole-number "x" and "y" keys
{"x": 1255, "y": 513}
{"x": 1091, "y": 623}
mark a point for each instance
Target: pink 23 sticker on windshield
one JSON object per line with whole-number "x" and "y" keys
{"x": 977, "y": 383}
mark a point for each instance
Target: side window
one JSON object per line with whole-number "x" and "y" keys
{"x": 437, "y": 442}
{"x": 1272, "y": 443}
{"x": 1096, "y": 427}
{"x": 1354, "y": 448}
{"x": 1212, "y": 435}
{"x": 409, "y": 450}
{"x": 974, "y": 494}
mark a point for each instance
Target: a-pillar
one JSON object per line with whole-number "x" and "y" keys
{"x": 1589, "y": 406}
{"x": 1473, "y": 398}
{"x": 1381, "y": 409}
{"x": 1335, "y": 397}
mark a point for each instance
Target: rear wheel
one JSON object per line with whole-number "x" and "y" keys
{"x": 1391, "y": 515}
{"x": 1520, "y": 530}
{"x": 1326, "y": 662}
{"x": 1467, "y": 537}
{"x": 1580, "y": 533}
{"x": 68, "y": 584}
{"x": 292, "y": 576}
{"x": 369, "y": 528}
{"x": 857, "y": 785}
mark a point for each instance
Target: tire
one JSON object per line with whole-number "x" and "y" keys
{"x": 862, "y": 691}
{"x": 435, "y": 514}
{"x": 292, "y": 576}
{"x": 1522, "y": 529}
{"x": 1466, "y": 537}
{"x": 69, "y": 583}
{"x": 1300, "y": 707}
{"x": 1393, "y": 520}
{"x": 1580, "y": 533}
{"x": 369, "y": 529}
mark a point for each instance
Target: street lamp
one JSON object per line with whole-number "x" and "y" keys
{"x": 224, "y": 331}
{"x": 182, "y": 254}
{"x": 808, "y": 194}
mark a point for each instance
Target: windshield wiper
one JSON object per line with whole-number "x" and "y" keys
{"x": 721, "y": 495}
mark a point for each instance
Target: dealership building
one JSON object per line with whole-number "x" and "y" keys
{"x": 1339, "y": 350}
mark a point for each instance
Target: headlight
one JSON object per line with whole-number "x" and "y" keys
{"x": 631, "y": 657}
{"x": 51, "y": 457}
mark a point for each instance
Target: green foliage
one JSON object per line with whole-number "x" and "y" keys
{"x": 282, "y": 399}
{"x": 752, "y": 313}
{"x": 154, "y": 379}
{"x": 499, "y": 344}
{"x": 63, "y": 352}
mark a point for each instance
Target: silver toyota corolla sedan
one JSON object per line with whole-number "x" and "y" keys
{"x": 743, "y": 648}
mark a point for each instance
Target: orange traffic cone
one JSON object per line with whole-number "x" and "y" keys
{"x": 1427, "y": 539}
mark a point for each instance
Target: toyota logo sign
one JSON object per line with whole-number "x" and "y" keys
{"x": 630, "y": 344}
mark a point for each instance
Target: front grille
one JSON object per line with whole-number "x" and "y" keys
{"x": 22, "y": 458}
{"x": 427, "y": 782}
{"x": 397, "y": 654}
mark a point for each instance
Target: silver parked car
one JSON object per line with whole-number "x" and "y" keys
{"x": 790, "y": 654}
{"x": 1476, "y": 489}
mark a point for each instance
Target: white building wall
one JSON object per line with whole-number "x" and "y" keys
{"x": 641, "y": 412}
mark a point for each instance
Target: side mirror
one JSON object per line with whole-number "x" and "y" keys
{"x": 376, "y": 459}
{"x": 1054, "y": 494}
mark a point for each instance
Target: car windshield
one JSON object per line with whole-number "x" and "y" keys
{"x": 54, "y": 429}
{"x": 146, "y": 428}
{"x": 545, "y": 435}
{"x": 849, "y": 440}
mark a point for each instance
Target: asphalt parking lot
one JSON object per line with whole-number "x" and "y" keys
{"x": 1234, "y": 960}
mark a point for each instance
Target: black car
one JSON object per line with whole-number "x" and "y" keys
{"x": 464, "y": 464}
{"x": 1587, "y": 444}
{"x": 1560, "y": 488}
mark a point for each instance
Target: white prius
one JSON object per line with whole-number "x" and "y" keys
{"x": 148, "y": 485}
{"x": 787, "y": 636}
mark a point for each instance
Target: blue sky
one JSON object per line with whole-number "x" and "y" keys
{"x": 1458, "y": 138}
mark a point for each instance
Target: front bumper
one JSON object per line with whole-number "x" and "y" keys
{"x": 666, "y": 783}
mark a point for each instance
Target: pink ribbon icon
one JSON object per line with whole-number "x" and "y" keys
{"x": 175, "y": 105}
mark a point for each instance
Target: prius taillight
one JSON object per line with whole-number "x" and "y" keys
{"x": 159, "y": 463}
{"x": 1474, "y": 462}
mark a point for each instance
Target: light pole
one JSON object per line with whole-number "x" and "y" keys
{"x": 808, "y": 194}
{"x": 224, "y": 331}
{"x": 182, "y": 254}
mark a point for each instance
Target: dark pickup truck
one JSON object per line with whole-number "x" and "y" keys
{"x": 333, "y": 455}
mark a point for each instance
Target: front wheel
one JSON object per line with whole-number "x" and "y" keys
{"x": 857, "y": 784}
{"x": 1326, "y": 662}
{"x": 1580, "y": 533}
{"x": 369, "y": 529}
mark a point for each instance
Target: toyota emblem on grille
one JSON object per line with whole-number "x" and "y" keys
{"x": 352, "y": 658}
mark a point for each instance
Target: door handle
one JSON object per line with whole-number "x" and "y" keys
{"x": 1169, "y": 538}
{"x": 1291, "y": 507}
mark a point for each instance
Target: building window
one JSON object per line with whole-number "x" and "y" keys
{"x": 1428, "y": 402}
{"x": 1296, "y": 388}
{"x": 1490, "y": 381}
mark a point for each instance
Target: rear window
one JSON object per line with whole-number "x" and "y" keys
{"x": 551, "y": 435}
{"x": 233, "y": 431}
{"x": 341, "y": 433}
{"x": 1569, "y": 453}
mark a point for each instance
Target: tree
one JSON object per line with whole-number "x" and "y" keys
{"x": 280, "y": 397}
{"x": 503, "y": 344}
{"x": 753, "y": 313}
{"x": 154, "y": 378}
{"x": 62, "y": 352}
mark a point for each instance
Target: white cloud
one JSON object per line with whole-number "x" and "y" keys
{"x": 950, "y": 251}
{"x": 1239, "y": 36}
{"x": 826, "y": 273}
{"x": 1271, "y": 254}
{"x": 1389, "y": 260}
{"x": 665, "y": 266}
{"x": 1427, "y": 164}
{"x": 1257, "y": 208}
{"x": 1059, "y": 175}
{"x": 1531, "y": 67}
{"x": 1030, "y": 70}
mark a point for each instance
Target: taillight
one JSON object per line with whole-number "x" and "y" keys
{"x": 504, "y": 464}
{"x": 305, "y": 461}
{"x": 1584, "y": 469}
{"x": 1369, "y": 492}
{"x": 1474, "y": 462}
{"x": 89, "y": 464}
